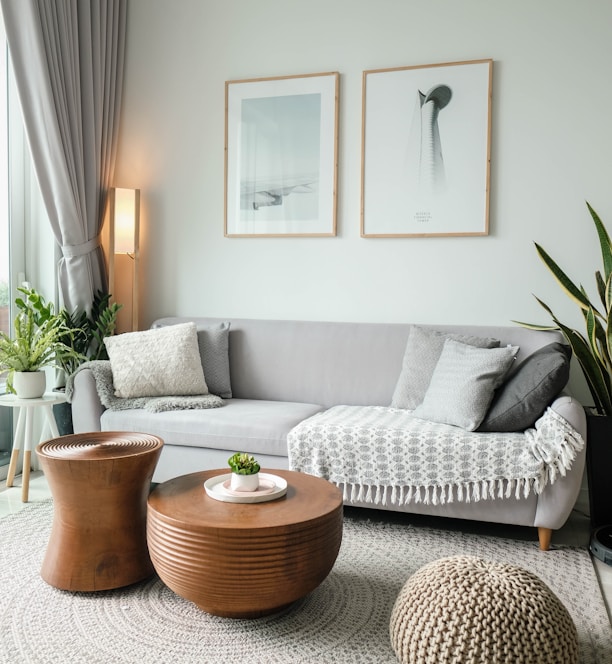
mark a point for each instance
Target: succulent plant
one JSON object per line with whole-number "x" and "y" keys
{"x": 242, "y": 463}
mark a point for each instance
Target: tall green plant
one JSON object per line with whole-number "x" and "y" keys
{"x": 593, "y": 349}
{"x": 85, "y": 332}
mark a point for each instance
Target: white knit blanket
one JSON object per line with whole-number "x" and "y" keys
{"x": 385, "y": 455}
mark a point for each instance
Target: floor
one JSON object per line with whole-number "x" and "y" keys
{"x": 574, "y": 533}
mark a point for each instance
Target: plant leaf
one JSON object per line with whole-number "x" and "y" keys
{"x": 597, "y": 380}
{"x": 604, "y": 242}
{"x": 572, "y": 291}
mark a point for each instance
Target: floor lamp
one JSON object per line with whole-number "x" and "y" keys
{"x": 123, "y": 254}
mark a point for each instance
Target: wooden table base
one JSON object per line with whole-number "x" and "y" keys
{"x": 244, "y": 560}
{"x": 100, "y": 483}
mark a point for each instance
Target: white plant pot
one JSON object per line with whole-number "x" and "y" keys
{"x": 29, "y": 384}
{"x": 244, "y": 482}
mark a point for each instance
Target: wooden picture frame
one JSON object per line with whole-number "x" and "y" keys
{"x": 426, "y": 141}
{"x": 281, "y": 155}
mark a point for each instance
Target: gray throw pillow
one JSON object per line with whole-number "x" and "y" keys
{"x": 463, "y": 383}
{"x": 423, "y": 350}
{"x": 524, "y": 396}
{"x": 213, "y": 342}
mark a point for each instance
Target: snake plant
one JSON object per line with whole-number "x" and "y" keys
{"x": 38, "y": 337}
{"x": 593, "y": 349}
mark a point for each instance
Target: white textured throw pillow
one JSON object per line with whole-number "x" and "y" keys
{"x": 463, "y": 383}
{"x": 156, "y": 363}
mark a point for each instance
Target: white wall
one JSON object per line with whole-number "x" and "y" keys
{"x": 551, "y": 151}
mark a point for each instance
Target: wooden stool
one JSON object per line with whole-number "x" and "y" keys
{"x": 100, "y": 484}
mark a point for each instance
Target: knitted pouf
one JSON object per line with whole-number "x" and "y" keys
{"x": 463, "y": 609}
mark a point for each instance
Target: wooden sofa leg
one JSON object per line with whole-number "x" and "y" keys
{"x": 544, "y": 535}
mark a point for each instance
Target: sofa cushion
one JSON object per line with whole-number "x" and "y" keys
{"x": 423, "y": 350}
{"x": 463, "y": 383}
{"x": 524, "y": 396}
{"x": 242, "y": 425}
{"x": 213, "y": 341}
{"x": 158, "y": 362}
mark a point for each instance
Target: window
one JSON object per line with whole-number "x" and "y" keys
{"x": 6, "y": 420}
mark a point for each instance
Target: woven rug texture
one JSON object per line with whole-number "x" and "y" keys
{"x": 344, "y": 621}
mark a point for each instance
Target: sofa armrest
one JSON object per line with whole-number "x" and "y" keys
{"x": 557, "y": 500}
{"x": 572, "y": 411}
{"x": 86, "y": 406}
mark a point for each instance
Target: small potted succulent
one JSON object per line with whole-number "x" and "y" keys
{"x": 245, "y": 472}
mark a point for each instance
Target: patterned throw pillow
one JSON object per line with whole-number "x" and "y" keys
{"x": 161, "y": 362}
{"x": 423, "y": 350}
{"x": 463, "y": 383}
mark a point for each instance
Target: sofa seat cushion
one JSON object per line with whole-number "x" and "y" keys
{"x": 241, "y": 425}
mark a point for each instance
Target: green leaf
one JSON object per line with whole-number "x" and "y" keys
{"x": 597, "y": 380}
{"x": 535, "y": 326}
{"x": 596, "y": 336}
{"x": 571, "y": 290}
{"x": 604, "y": 242}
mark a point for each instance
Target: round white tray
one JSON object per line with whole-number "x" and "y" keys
{"x": 271, "y": 487}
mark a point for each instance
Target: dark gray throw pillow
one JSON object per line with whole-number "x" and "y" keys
{"x": 523, "y": 398}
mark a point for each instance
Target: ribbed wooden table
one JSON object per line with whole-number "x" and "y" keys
{"x": 100, "y": 483}
{"x": 244, "y": 560}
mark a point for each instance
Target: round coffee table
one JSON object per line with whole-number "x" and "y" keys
{"x": 244, "y": 560}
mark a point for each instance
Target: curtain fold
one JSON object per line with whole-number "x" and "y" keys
{"x": 68, "y": 58}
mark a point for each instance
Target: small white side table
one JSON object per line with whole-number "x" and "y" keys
{"x": 23, "y": 433}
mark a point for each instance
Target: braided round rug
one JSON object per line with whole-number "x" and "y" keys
{"x": 343, "y": 621}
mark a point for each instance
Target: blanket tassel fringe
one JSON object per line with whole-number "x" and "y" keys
{"x": 439, "y": 495}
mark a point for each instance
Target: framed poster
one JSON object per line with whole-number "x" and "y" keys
{"x": 281, "y": 144}
{"x": 426, "y": 140}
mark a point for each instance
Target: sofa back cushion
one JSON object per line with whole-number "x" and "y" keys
{"x": 332, "y": 363}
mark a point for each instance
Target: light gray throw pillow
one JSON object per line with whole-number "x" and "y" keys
{"x": 463, "y": 383}
{"x": 213, "y": 341}
{"x": 422, "y": 353}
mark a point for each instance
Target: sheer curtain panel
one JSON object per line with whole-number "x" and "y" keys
{"x": 68, "y": 59}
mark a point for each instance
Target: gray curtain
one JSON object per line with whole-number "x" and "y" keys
{"x": 68, "y": 59}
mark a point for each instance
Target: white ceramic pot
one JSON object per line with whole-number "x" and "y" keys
{"x": 244, "y": 482}
{"x": 29, "y": 384}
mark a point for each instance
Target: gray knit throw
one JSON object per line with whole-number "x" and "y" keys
{"x": 103, "y": 374}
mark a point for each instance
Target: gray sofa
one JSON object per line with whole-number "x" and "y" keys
{"x": 284, "y": 372}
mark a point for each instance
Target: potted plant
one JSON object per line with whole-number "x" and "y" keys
{"x": 84, "y": 336}
{"x": 37, "y": 342}
{"x": 593, "y": 350}
{"x": 245, "y": 472}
